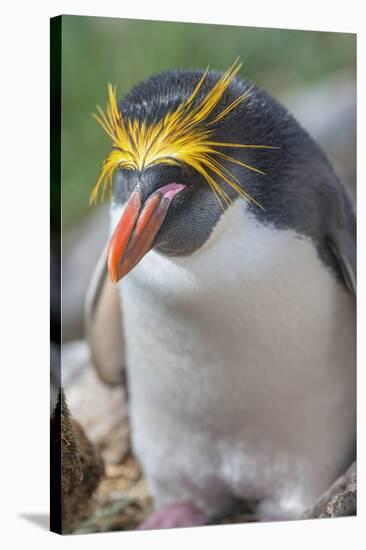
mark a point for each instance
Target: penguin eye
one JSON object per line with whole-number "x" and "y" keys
{"x": 187, "y": 172}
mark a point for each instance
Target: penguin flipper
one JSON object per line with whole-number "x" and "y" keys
{"x": 343, "y": 247}
{"x": 103, "y": 325}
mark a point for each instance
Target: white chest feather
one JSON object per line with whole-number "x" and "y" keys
{"x": 241, "y": 365}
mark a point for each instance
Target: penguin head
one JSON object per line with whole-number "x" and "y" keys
{"x": 185, "y": 145}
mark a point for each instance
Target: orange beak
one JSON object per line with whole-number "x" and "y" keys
{"x": 137, "y": 229}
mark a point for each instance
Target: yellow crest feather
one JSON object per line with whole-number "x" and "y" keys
{"x": 183, "y": 136}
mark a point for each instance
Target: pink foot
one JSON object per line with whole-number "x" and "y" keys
{"x": 181, "y": 514}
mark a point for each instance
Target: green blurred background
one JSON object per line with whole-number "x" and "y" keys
{"x": 96, "y": 51}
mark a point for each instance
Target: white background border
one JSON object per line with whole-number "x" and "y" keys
{"x": 24, "y": 288}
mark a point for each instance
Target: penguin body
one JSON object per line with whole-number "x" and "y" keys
{"x": 234, "y": 390}
{"x": 238, "y": 319}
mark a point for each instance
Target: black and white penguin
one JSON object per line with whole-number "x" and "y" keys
{"x": 233, "y": 245}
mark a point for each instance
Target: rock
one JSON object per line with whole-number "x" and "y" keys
{"x": 101, "y": 409}
{"x": 340, "y": 499}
